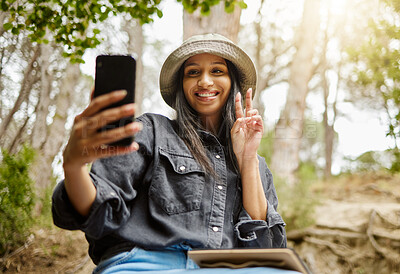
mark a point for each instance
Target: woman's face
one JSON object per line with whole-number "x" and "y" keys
{"x": 206, "y": 85}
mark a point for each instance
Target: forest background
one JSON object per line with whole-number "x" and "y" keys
{"x": 325, "y": 68}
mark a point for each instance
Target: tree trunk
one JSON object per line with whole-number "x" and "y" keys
{"x": 25, "y": 89}
{"x": 3, "y": 16}
{"x": 135, "y": 45}
{"x": 2, "y": 51}
{"x": 218, "y": 21}
{"x": 56, "y": 132}
{"x": 328, "y": 129}
{"x": 257, "y": 102}
{"x": 19, "y": 137}
{"x": 41, "y": 170}
{"x": 289, "y": 129}
{"x": 39, "y": 131}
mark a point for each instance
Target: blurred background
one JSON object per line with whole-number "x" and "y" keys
{"x": 328, "y": 88}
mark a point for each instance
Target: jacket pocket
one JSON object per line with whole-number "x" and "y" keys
{"x": 178, "y": 183}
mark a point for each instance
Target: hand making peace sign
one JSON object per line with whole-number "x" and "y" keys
{"x": 247, "y": 130}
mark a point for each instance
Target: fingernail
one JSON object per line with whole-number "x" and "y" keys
{"x": 131, "y": 127}
{"x": 135, "y": 145}
{"x": 121, "y": 92}
{"x": 128, "y": 107}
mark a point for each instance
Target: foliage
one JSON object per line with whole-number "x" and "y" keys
{"x": 388, "y": 160}
{"x": 296, "y": 203}
{"x": 395, "y": 168}
{"x": 70, "y": 22}
{"x": 378, "y": 64}
{"x": 205, "y": 6}
{"x": 312, "y": 153}
{"x": 266, "y": 146}
{"x": 307, "y": 172}
{"x": 16, "y": 198}
{"x": 45, "y": 219}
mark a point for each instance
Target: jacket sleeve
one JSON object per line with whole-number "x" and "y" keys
{"x": 117, "y": 180}
{"x": 259, "y": 233}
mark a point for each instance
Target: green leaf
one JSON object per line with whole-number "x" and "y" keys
{"x": 242, "y": 5}
{"x": 7, "y": 26}
{"x": 3, "y": 5}
{"x": 205, "y": 9}
{"x": 229, "y": 7}
{"x": 15, "y": 31}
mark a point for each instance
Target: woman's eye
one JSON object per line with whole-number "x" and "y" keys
{"x": 217, "y": 71}
{"x": 192, "y": 72}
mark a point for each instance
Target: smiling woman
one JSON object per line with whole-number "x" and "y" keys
{"x": 192, "y": 182}
{"x": 206, "y": 85}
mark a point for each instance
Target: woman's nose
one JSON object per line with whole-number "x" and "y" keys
{"x": 205, "y": 80}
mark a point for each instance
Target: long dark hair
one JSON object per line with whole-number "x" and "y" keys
{"x": 189, "y": 122}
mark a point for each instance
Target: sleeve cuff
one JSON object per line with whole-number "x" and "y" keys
{"x": 246, "y": 228}
{"x": 106, "y": 205}
{"x": 249, "y": 230}
{"x": 65, "y": 215}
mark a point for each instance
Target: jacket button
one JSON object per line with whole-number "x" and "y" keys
{"x": 215, "y": 229}
{"x": 182, "y": 168}
{"x": 217, "y": 156}
{"x": 220, "y": 187}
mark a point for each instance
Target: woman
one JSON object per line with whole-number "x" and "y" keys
{"x": 193, "y": 182}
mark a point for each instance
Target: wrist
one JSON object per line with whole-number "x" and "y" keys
{"x": 247, "y": 161}
{"x": 70, "y": 163}
{"x": 73, "y": 168}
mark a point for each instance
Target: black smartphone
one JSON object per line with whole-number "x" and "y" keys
{"x": 116, "y": 72}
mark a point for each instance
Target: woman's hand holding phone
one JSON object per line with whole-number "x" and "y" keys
{"x": 87, "y": 143}
{"x": 105, "y": 128}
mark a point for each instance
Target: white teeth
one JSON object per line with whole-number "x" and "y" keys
{"x": 206, "y": 94}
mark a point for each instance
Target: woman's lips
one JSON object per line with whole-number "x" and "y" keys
{"x": 207, "y": 94}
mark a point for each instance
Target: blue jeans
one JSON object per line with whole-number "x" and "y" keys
{"x": 169, "y": 261}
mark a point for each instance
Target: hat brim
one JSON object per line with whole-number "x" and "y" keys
{"x": 214, "y": 45}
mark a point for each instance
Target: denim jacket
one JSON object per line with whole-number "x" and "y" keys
{"x": 159, "y": 197}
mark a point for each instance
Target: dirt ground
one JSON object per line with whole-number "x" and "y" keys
{"x": 357, "y": 227}
{"x": 351, "y": 234}
{"x": 51, "y": 250}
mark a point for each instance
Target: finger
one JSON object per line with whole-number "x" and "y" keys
{"x": 236, "y": 126}
{"x": 103, "y": 101}
{"x": 108, "y": 116}
{"x": 112, "y": 135}
{"x": 121, "y": 150}
{"x": 238, "y": 106}
{"x": 252, "y": 112}
{"x": 103, "y": 151}
{"x": 92, "y": 95}
{"x": 256, "y": 123}
{"x": 249, "y": 104}
{"x": 108, "y": 151}
{"x": 86, "y": 126}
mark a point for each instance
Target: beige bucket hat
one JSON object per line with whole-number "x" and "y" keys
{"x": 206, "y": 43}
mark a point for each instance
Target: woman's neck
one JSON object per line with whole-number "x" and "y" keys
{"x": 211, "y": 124}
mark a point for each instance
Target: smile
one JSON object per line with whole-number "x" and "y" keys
{"x": 206, "y": 94}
